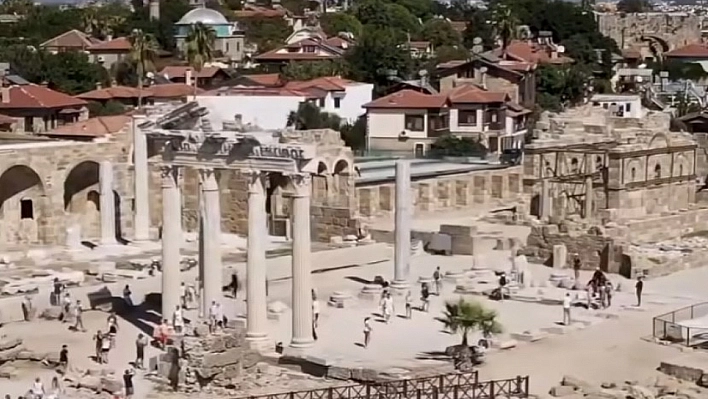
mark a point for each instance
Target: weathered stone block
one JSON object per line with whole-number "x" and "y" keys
{"x": 230, "y": 356}
{"x": 561, "y": 391}
{"x": 339, "y": 373}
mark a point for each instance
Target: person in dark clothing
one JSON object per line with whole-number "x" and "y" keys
{"x": 58, "y": 288}
{"x": 234, "y": 285}
{"x": 64, "y": 358}
{"x": 140, "y": 345}
{"x": 638, "y": 288}
{"x": 128, "y": 383}
{"x": 425, "y": 297}
{"x": 502, "y": 286}
{"x": 576, "y": 267}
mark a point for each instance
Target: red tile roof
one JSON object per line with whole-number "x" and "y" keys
{"x": 173, "y": 90}
{"x": 631, "y": 53}
{"x": 408, "y": 99}
{"x": 120, "y": 44}
{"x": 33, "y": 96}
{"x": 179, "y": 71}
{"x": 71, "y": 39}
{"x": 265, "y": 79}
{"x": 422, "y": 45}
{"x": 114, "y": 92}
{"x": 257, "y": 91}
{"x": 326, "y": 83}
{"x": 93, "y": 127}
{"x": 339, "y": 42}
{"x": 532, "y": 53}
{"x": 695, "y": 50}
{"x": 471, "y": 94}
{"x": 278, "y": 55}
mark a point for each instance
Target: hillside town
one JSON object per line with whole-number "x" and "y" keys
{"x": 353, "y": 199}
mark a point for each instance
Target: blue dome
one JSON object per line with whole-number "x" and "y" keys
{"x": 207, "y": 16}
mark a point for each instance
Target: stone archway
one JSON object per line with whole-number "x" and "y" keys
{"x": 82, "y": 199}
{"x": 22, "y": 206}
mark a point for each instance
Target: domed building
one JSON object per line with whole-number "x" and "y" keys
{"x": 229, "y": 37}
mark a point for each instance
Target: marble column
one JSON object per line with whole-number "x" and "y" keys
{"x": 141, "y": 172}
{"x": 203, "y": 303}
{"x": 171, "y": 240}
{"x": 256, "y": 301}
{"x": 545, "y": 200}
{"x": 402, "y": 252}
{"x": 107, "y": 203}
{"x": 302, "y": 280}
{"x": 587, "y": 214}
{"x": 213, "y": 272}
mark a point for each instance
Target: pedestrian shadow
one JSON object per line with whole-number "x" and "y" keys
{"x": 433, "y": 355}
{"x": 359, "y": 344}
{"x": 144, "y": 316}
{"x": 359, "y": 280}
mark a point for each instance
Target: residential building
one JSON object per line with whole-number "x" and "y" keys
{"x": 169, "y": 92}
{"x": 620, "y": 105}
{"x": 229, "y": 42}
{"x": 269, "y": 107}
{"x": 73, "y": 40}
{"x": 209, "y": 77}
{"x": 311, "y": 49}
{"x": 110, "y": 52}
{"x": 420, "y": 49}
{"x": 517, "y": 78}
{"x": 540, "y": 50}
{"x": 694, "y": 52}
{"x": 37, "y": 109}
{"x": 91, "y": 129}
{"x": 410, "y": 121}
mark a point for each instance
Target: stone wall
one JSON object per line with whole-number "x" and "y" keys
{"x": 663, "y": 227}
{"x": 459, "y": 191}
{"x": 677, "y": 29}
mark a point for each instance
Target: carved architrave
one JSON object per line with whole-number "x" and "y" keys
{"x": 256, "y": 181}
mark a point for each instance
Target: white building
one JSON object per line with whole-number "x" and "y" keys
{"x": 622, "y": 105}
{"x": 269, "y": 107}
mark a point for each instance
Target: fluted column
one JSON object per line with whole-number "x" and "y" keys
{"x": 108, "y": 205}
{"x": 402, "y": 252}
{"x": 171, "y": 240}
{"x": 141, "y": 171}
{"x": 213, "y": 272}
{"x": 302, "y": 283}
{"x": 256, "y": 301}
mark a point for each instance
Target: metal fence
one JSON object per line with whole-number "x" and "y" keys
{"x": 667, "y": 326}
{"x": 447, "y": 386}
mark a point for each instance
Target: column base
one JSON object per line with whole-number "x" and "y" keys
{"x": 254, "y": 336}
{"x": 401, "y": 285}
{"x": 302, "y": 344}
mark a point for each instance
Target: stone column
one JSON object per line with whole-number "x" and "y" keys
{"x": 402, "y": 252}
{"x": 203, "y": 304}
{"x": 171, "y": 240}
{"x": 141, "y": 172}
{"x": 587, "y": 211}
{"x": 256, "y": 301}
{"x": 545, "y": 200}
{"x": 302, "y": 283}
{"x": 108, "y": 205}
{"x": 213, "y": 272}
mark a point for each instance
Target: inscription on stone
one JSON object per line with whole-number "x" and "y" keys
{"x": 272, "y": 151}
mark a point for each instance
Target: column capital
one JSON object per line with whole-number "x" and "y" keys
{"x": 256, "y": 181}
{"x": 170, "y": 175}
{"x": 207, "y": 178}
{"x": 302, "y": 182}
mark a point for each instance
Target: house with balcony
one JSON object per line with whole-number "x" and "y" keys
{"x": 411, "y": 121}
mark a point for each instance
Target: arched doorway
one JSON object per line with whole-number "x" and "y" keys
{"x": 277, "y": 206}
{"x": 82, "y": 199}
{"x": 343, "y": 190}
{"x": 22, "y": 206}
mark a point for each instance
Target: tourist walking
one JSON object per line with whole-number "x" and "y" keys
{"x": 183, "y": 294}
{"x": 99, "y": 346}
{"x": 409, "y": 304}
{"x": 128, "y": 383}
{"x": 576, "y": 267}
{"x": 234, "y": 285}
{"x": 37, "y": 389}
{"x": 178, "y": 320}
{"x": 608, "y": 293}
{"x": 127, "y": 296}
{"x": 140, "y": 345}
{"x": 367, "y": 331}
{"x": 438, "y": 281}
{"x": 638, "y": 288}
{"x": 105, "y": 348}
{"x": 112, "y": 323}
{"x": 27, "y": 309}
{"x": 387, "y": 307}
{"x": 66, "y": 308}
{"x": 78, "y": 314}
{"x": 214, "y": 316}
{"x": 566, "y": 309}
{"x": 502, "y": 286}
{"x": 56, "y": 293}
{"x": 64, "y": 359}
{"x": 425, "y": 297}
{"x": 315, "y": 314}
{"x": 161, "y": 334}
{"x": 603, "y": 296}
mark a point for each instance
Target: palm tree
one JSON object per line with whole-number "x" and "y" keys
{"x": 200, "y": 48}
{"x": 143, "y": 50}
{"x": 89, "y": 21}
{"x": 505, "y": 24}
{"x": 463, "y": 317}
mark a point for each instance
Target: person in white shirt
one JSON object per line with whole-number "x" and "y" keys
{"x": 214, "y": 316}
{"x": 178, "y": 319}
{"x": 37, "y": 388}
{"x": 566, "y": 309}
{"x": 183, "y": 294}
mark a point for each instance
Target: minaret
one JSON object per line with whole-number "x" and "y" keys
{"x": 154, "y": 9}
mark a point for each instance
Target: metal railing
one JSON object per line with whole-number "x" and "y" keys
{"x": 447, "y": 386}
{"x": 667, "y": 327}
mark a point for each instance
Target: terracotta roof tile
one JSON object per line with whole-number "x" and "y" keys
{"x": 471, "y": 94}
{"x": 173, "y": 90}
{"x": 695, "y": 50}
{"x": 265, "y": 79}
{"x": 71, "y": 39}
{"x": 339, "y": 42}
{"x": 276, "y": 55}
{"x": 256, "y": 91}
{"x": 114, "y": 92}
{"x": 33, "y": 96}
{"x": 327, "y": 83}
{"x": 178, "y": 71}
{"x": 121, "y": 44}
{"x": 408, "y": 99}
{"x": 532, "y": 53}
{"x": 93, "y": 127}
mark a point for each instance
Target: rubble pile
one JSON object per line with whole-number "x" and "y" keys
{"x": 659, "y": 387}
{"x": 12, "y": 350}
{"x": 207, "y": 360}
{"x": 104, "y": 383}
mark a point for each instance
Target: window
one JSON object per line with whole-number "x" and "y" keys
{"x": 494, "y": 117}
{"x": 238, "y": 47}
{"x": 309, "y": 49}
{"x": 574, "y": 165}
{"x": 467, "y": 118}
{"x": 419, "y": 150}
{"x": 627, "y": 107}
{"x": 322, "y": 102}
{"x": 26, "y": 209}
{"x": 657, "y": 171}
{"x": 29, "y": 124}
{"x": 227, "y": 47}
{"x": 598, "y": 163}
{"x": 633, "y": 174}
{"x": 337, "y": 102}
{"x": 415, "y": 123}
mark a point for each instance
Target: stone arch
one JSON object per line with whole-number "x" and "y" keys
{"x": 663, "y": 43}
{"x": 81, "y": 198}
{"x": 633, "y": 171}
{"x": 20, "y": 184}
{"x": 681, "y": 165}
{"x": 322, "y": 168}
{"x": 341, "y": 167}
{"x": 659, "y": 140}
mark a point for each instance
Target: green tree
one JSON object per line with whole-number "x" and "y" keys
{"x": 312, "y": 70}
{"x": 200, "y": 48}
{"x": 354, "y": 135}
{"x": 422, "y": 9}
{"x": 449, "y": 53}
{"x": 111, "y": 107}
{"x": 505, "y": 24}
{"x": 449, "y": 145}
{"x": 559, "y": 86}
{"x": 143, "y": 52}
{"x": 333, "y": 23}
{"x": 309, "y": 116}
{"x": 439, "y": 32}
{"x": 462, "y": 317}
{"x": 72, "y": 72}
{"x": 20, "y": 7}
{"x": 383, "y": 15}
{"x": 377, "y": 57}
{"x": 266, "y": 33}
{"x": 633, "y": 6}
